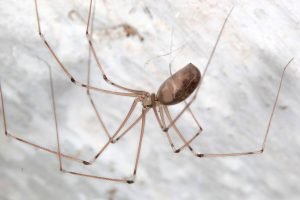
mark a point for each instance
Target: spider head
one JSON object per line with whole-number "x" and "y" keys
{"x": 148, "y": 100}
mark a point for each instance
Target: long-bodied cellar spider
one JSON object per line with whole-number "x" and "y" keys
{"x": 176, "y": 89}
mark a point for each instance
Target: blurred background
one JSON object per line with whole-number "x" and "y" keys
{"x": 133, "y": 40}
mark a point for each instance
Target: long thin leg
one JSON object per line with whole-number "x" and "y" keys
{"x": 3, "y": 112}
{"x": 88, "y": 83}
{"x": 162, "y": 123}
{"x": 161, "y": 120}
{"x": 194, "y": 117}
{"x": 186, "y": 143}
{"x": 98, "y": 115}
{"x": 140, "y": 144}
{"x": 129, "y": 181}
{"x": 55, "y": 118}
{"x": 60, "y": 155}
{"x": 73, "y": 80}
{"x": 88, "y": 90}
{"x": 89, "y": 38}
{"x": 262, "y": 148}
{"x": 115, "y": 134}
{"x": 7, "y": 133}
{"x": 213, "y": 51}
{"x": 204, "y": 72}
{"x": 129, "y": 128}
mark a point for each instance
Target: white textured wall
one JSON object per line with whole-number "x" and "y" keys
{"x": 233, "y": 104}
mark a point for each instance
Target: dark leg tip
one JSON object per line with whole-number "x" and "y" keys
{"x": 114, "y": 141}
{"x": 262, "y": 150}
{"x": 177, "y": 151}
{"x": 130, "y": 181}
{"x": 97, "y": 155}
{"x": 200, "y": 155}
{"x": 190, "y": 148}
{"x": 73, "y": 80}
{"x": 86, "y": 163}
{"x": 165, "y": 129}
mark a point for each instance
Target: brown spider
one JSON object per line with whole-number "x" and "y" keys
{"x": 177, "y": 88}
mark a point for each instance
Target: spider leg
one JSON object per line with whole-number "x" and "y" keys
{"x": 7, "y": 133}
{"x": 126, "y": 131}
{"x": 204, "y": 72}
{"x": 98, "y": 116}
{"x": 144, "y": 112}
{"x": 60, "y": 155}
{"x": 88, "y": 90}
{"x": 112, "y": 139}
{"x": 105, "y": 77}
{"x": 186, "y": 142}
{"x": 194, "y": 117}
{"x": 263, "y": 145}
{"x": 162, "y": 124}
{"x": 91, "y": 98}
{"x": 129, "y": 181}
{"x": 213, "y": 51}
{"x": 73, "y": 80}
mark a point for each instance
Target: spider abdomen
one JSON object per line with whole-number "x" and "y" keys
{"x": 179, "y": 86}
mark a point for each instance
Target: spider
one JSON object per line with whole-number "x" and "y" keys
{"x": 180, "y": 87}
